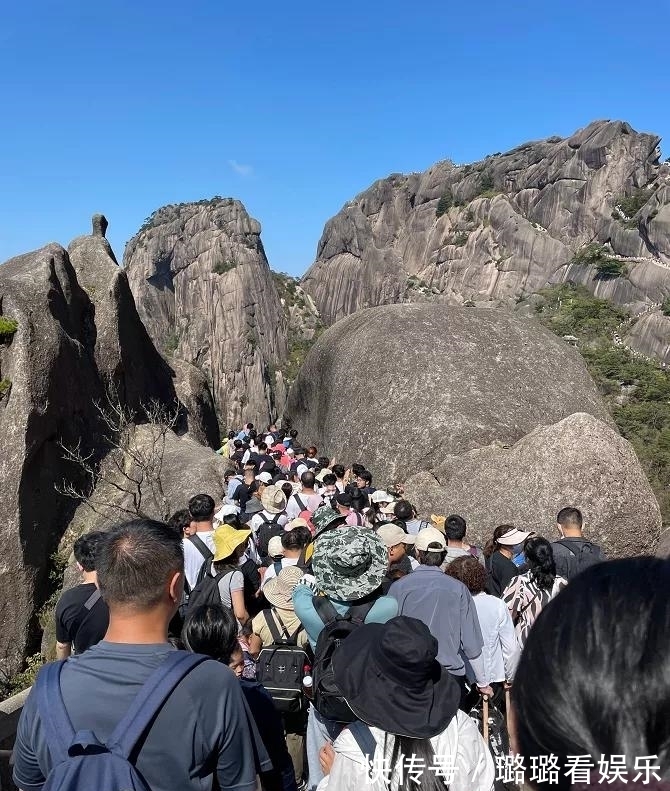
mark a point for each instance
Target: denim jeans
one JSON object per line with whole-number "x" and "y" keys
{"x": 319, "y": 731}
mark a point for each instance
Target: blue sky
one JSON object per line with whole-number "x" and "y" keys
{"x": 293, "y": 107}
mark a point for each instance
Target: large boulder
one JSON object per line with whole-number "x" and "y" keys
{"x": 49, "y": 379}
{"x": 400, "y": 387}
{"x": 579, "y": 461}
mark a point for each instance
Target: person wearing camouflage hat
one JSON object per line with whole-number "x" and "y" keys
{"x": 325, "y": 519}
{"x": 349, "y": 565}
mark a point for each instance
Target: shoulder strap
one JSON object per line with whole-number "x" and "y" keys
{"x": 287, "y": 636}
{"x": 302, "y": 505}
{"x": 277, "y": 566}
{"x": 153, "y": 694}
{"x": 272, "y": 626}
{"x": 359, "y": 612}
{"x": 200, "y": 545}
{"x": 325, "y": 610}
{"x": 364, "y": 739}
{"x": 53, "y": 714}
{"x": 92, "y": 600}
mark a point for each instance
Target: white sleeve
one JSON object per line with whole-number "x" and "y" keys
{"x": 508, "y": 642}
{"x": 350, "y": 771}
{"x": 269, "y": 574}
{"x": 474, "y": 764}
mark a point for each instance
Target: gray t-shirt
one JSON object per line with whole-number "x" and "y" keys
{"x": 204, "y": 726}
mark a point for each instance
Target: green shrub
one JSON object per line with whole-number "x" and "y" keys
{"x": 12, "y": 685}
{"x": 5, "y": 385}
{"x": 630, "y": 205}
{"x": 221, "y": 267}
{"x": 665, "y": 306}
{"x": 486, "y": 183}
{"x": 636, "y": 389}
{"x": 445, "y": 203}
{"x": 460, "y": 239}
{"x": 7, "y": 328}
{"x": 171, "y": 342}
{"x": 597, "y": 255}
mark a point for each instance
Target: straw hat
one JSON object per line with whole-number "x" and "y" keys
{"x": 273, "y": 500}
{"x": 279, "y": 590}
{"x": 226, "y": 540}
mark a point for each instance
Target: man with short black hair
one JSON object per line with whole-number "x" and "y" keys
{"x": 305, "y": 500}
{"x": 446, "y": 607}
{"x": 454, "y": 530}
{"x": 81, "y": 614}
{"x": 364, "y": 482}
{"x": 572, "y": 552}
{"x": 199, "y": 546}
{"x": 201, "y": 730}
{"x": 405, "y": 511}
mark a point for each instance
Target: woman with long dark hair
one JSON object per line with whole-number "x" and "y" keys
{"x": 528, "y": 593}
{"x": 593, "y": 677}
{"x": 407, "y": 709}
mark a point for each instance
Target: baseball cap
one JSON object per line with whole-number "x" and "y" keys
{"x": 430, "y": 540}
{"x": 264, "y": 477}
{"x": 392, "y": 535}
{"x": 380, "y": 496}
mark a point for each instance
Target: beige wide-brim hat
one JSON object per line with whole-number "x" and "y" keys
{"x": 279, "y": 590}
{"x": 273, "y": 500}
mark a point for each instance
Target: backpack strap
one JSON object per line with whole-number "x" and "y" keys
{"x": 359, "y": 612}
{"x": 277, "y": 566}
{"x": 303, "y": 507}
{"x": 53, "y": 714}
{"x": 325, "y": 610}
{"x": 364, "y": 739}
{"x": 565, "y": 542}
{"x": 151, "y": 697}
{"x": 200, "y": 545}
{"x": 92, "y": 599}
{"x": 272, "y": 626}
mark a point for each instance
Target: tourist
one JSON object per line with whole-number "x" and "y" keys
{"x": 498, "y": 554}
{"x": 294, "y": 545}
{"x": 202, "y": 728}
{"x": 280, "y": 620}
{"x": 180, "y": 522}
{"x": 246, "y": 489}
{"x": 408, "y": 708}
{"x": 307, "y": 499}
{"x": 405, "y": 512}
{"x": 454, "y": 530}
{"x": 572, "y": 552}
{"x": 378, "y": 499}
{"x": 447, "y": 609}
{"x": 593, "y": 678}
{"x": 501, "y": 650}
{"x": 364, "y": 482}
{"x": 268, "y": 522}
{"x": 199, "y": 546}
{"x": 343, "y": 503}
{"x": 211, "y": 630}
{"x": 339, "y": 472}
{"x": 397, "y": 541}
{"x": 328, "y": 489}
{"x": 349, "y": 567}
{"x": 229, "y": 546}
{"x": 81, "y": 615}
{"x": 528, "y": 593}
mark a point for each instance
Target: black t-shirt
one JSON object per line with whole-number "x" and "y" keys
{"x": 77, "y": 625}
{"x": 501, "y": 572}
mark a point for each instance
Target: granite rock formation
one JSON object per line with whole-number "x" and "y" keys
{"x": 494, "y": 232}
{"x": 399, "y": 387}
{"x": 206, "y": 294}
{"x": 577, "y": 461}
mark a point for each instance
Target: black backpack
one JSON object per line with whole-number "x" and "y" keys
{"x": 266, "y": 531}
{"x": 583, "y": 555}
{"x": 282, "y": 666}
{"x": 207, "y": 590}
{"x": 207, "y": 555}
{"x": 328, "y": 700}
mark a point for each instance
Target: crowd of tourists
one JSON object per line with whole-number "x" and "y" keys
{"x": 306, "y": 629}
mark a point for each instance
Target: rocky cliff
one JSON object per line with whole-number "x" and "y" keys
{"x": 206, "y": 294}
{"x": 593, "y": 208}
{"x": 70, "y": 334}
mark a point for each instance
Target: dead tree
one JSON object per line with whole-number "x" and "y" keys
{"x": 127, "y": 481}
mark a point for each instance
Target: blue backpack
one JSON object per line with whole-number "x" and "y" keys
{"x": 80, "y": 761}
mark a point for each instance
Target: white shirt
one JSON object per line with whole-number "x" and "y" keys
{"x": 500, "y": 653}
{"x": 460, "y": 745}
{"x": 270, "y": 573}
{"x": 257, "y": 520}
{"x": 193, "y": 559}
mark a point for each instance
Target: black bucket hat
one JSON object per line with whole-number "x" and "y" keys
{"x": 389, "y": 675}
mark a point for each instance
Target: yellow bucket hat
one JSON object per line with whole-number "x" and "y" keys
{"x": 226, "y": 540}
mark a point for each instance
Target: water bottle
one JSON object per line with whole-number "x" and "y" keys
{"x": 307, "y": 684}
